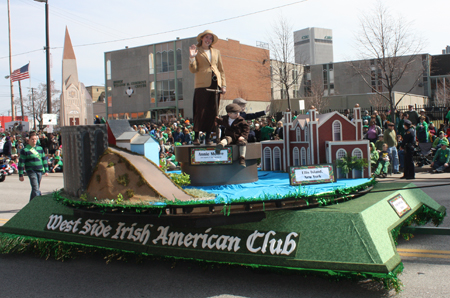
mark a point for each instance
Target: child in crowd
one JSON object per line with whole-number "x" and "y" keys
{"x": 236, "y": 131}
{"x": 379, "y": 143}
{"x": 57, "y": 164}
{"x": 13, "y": 166}
{"x": 171, "y": 161}
{"x": 383, "y": 163}
{"x": 373, "y": 155}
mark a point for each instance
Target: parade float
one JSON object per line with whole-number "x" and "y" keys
{"x": 299, "y": 213}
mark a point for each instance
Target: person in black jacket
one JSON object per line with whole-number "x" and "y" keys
{"x": 236, "y": 131}
{"x": 279, "y": 131}
{"x": 409, "y": 141}
{"x": 250, "y": 116}
{"x": 7, "y": 147}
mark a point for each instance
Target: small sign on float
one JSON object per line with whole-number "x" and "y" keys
{"x": 202, "y": 156}
{"x": 314, "y": 174}
{"x": 399, "y": 204}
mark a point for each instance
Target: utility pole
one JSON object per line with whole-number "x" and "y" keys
{"x": 10, "y": 65}
{"x": 21, "y": 101}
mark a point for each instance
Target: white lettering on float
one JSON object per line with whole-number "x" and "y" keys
{"x": 223, "y": 242}
{"x": 257, "y": 242}
{"x": 312, "y": 174}
{"x": 210, "y": 156}
{"x": 289, "y": 244}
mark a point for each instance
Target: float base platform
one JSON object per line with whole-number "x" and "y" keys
{"x": 353, "y": 237}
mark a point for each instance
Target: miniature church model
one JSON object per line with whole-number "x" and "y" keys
{"x": 317, "y": 139}
{"x": 76, "y": 103}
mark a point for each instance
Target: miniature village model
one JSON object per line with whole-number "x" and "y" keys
{"x": 317, "y": 138}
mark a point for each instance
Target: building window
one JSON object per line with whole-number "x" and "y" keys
{"x": 166, "y": 90}
{"x": 341, "y": 153}
{"x": 308, "y": 156}
{"x": 298, "y": 134}
{"x": 337, "y": 131}
{"x": 108, "y": 70}
{"x": 267, "y": 159}
{"x": 152, "y": 92}
{"x": 296, "y": 157}
{"x": 158, "y": 62}
{"x": 180, "y": 89}
{"x": 151, "y": 66}
{"x": 306, "y": 134}
{"x": 283, "y": 93}
{"x": 164, "y": 62}
{"x": 357, "y": 173}
{"x": 277, "y": 159}
{"x": 171, "y": 93}
{"x": 179, "y": 59}
{"x": 295, "y": 76}
{"x": 303, "y": 156}
{"x": 171, "y": 61}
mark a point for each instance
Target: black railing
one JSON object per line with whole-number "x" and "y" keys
{"x": 433, "y": 112}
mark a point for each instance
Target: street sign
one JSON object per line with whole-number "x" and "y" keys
{"x": 49, "y": 119}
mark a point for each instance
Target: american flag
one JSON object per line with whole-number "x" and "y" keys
{"x": 20, "y": 74}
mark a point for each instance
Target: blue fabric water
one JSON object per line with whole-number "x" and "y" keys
{"x": 272, "y": 183}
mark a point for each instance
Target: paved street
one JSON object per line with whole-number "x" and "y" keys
{"x": 425, "y": 275}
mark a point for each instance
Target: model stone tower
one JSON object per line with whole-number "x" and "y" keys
{"x": 76, "y": 104}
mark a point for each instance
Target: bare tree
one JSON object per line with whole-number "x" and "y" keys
{"x": 442, "y": 95}
{"x": 285, "y": 74}
{"x": 240, "y": 92}
{"x": 377, "y": 100}
{"x": 316, "y": 96}
{"x": 393, "y": 49}
{"x": 39, "y": 97}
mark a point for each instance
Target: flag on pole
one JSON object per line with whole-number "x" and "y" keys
{"x": 20, "y": 74}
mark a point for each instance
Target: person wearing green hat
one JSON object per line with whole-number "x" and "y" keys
{"x": 365, "y": 130}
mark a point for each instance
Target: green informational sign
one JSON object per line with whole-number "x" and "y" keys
{"x": 313, "y": 174}
{"x": 207, "y": 156}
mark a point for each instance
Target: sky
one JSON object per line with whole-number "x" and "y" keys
{"x": 99, "y": 26}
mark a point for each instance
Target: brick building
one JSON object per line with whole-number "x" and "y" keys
{"x": 154, "y": 80}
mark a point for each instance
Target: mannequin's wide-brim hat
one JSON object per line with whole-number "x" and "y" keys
{"x": 199, "y": 37}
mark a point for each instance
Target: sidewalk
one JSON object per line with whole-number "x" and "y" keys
{"x": 422, "y": 174}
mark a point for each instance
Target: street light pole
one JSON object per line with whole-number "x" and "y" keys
{"x": 47, "y": 53}
{"x": 10, "y": 66}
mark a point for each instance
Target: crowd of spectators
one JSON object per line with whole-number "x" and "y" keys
{"x": 380, "y": 129}
{"x": 180, "y": 131}
{"x": 12, "y": 142}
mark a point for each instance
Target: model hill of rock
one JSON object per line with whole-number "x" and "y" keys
{"x": 136, "y": 179}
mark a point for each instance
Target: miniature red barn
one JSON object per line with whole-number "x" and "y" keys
{"x": 317, "y": 138}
